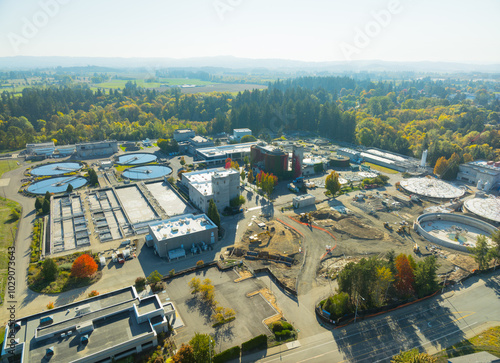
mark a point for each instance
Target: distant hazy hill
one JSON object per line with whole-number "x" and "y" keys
{"x": 24, "y": 62}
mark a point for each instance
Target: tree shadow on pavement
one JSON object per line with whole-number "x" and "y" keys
{"x": 368, "y": 341}
{"x": 204, "y": 309}
{"x": 494, "y": 283}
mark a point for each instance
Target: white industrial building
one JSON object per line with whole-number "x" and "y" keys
{"x": 218, "y": 184}
{"x": 484, "y": 174}
{"x": 41, "y": 149}
{"x": 171, "y": 237}
{"x": 105, "y": 328}
{"x": 354, "y": 155}
{"x": 96, "y": 149}
{"x": 239, "y": 133}
{"x": 183, "y": 134}
{"x": 304, "y": 200}
{"x": 218, "y": 154}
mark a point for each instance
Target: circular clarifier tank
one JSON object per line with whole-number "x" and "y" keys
{"x": 56, "y": 185}
{"x": 147, "y": 172}
{"x": 54, "y": 169}
{"x": 136, "y": 159}
{"x": 432, "y": 188}
{"x": 488, "y": 208}
{"x": 452, "y": 230}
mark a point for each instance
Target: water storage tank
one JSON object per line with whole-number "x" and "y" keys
{"x": 479, "y": 184}
{"x": 424, "y": 159}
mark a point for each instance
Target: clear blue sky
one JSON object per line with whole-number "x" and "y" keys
{"x": 314, "y": 30}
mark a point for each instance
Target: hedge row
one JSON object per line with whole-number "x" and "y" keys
{"x": 228, "y": 354}
{"x": 259, "y": 342}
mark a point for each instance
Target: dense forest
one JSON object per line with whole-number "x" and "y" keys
{"x": 444, "y": 116}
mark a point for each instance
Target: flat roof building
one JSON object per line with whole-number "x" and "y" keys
{"x": 218, "y": 184}
{"x": 198, "y": 142}
{"x": 218, "y": 154}
{"x": 239, "y": 133}
{"x": 303, "y": 200}
{"x": 96, "y": 149}
{"x": 484, "y": 174}
{"x": 183, "y": 134}
{"x": 42, "y": 148}
{"x": 171, "y": 237}
{"x": 104, "y": 328}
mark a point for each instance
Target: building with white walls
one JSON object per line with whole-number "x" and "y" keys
{"x": 171, "y": 237}
{"x": 218, "y": 184}
{"x": 103, "y": 328}
{"x": 484, "y": 174}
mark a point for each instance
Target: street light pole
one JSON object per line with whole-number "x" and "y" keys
{"x": 357, "y": 302}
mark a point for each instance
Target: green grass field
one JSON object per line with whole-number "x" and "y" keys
{"x": 8, "y": 228}
{"x": 7, "y": 165}
{"x": 120, "y": 83}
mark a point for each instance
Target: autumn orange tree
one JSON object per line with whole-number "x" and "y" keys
{"x": 405, "y": 277}
{"x": 441, "y": 166}
{"x": 185, "y": 354}
{"x": 84, "y": 266}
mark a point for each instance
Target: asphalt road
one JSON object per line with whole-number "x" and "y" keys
{"x": 431, "y": 326}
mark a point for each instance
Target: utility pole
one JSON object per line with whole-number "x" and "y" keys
{"x": 357, "y": 302}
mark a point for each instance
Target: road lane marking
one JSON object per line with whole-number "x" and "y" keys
{"x": 366, "y": 340}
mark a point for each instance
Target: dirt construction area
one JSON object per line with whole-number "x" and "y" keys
{"x": 345, "y": 230}
{"x": 270, "y": 237}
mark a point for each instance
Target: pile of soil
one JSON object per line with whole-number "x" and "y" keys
{"x": 327, "y": 214}
{"x": 352, "y": 227}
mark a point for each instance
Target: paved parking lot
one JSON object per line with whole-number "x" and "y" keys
{"x": 250, "y": 312}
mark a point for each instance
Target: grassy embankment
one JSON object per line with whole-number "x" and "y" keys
{"x": 487, "y": 341}
{"x": 8, "y": 228}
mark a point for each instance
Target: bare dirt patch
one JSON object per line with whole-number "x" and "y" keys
{"x": 352, "y": 227}
{"x": 274, "y": 238}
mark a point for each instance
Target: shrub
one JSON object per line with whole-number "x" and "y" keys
{"x": 93, "y": 293}
{"x": 200, "y": 263}
{"x": 171, "y": 272}
{"x": 228, "y": 354}
{"x": 84, "y": 266}
{"x": 15, "y": 215}
{"x": 337, "y": 305}
{"x": 157, "y": 286}
{"x": 65, "y": 267}
{"x": 284, "y": 334}
{"x": 287, "y": 325}
{"x": 31, "y": 270}
{"x": 140, "y": 283}
{"x": 259, "y": 342}
{"x": 154, "y": 277}
{"x": 50, "y": 305}
{"x": 277, "y": 327}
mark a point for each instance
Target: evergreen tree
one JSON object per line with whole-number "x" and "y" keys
{"x": 480, "y": 253}
{"x": 49, "y": 270}
{"x": 213, "y": 213}
{"x": 38, "y": 203}
{"x": 425, "y": 276}
{"x": 45, "y": 206}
